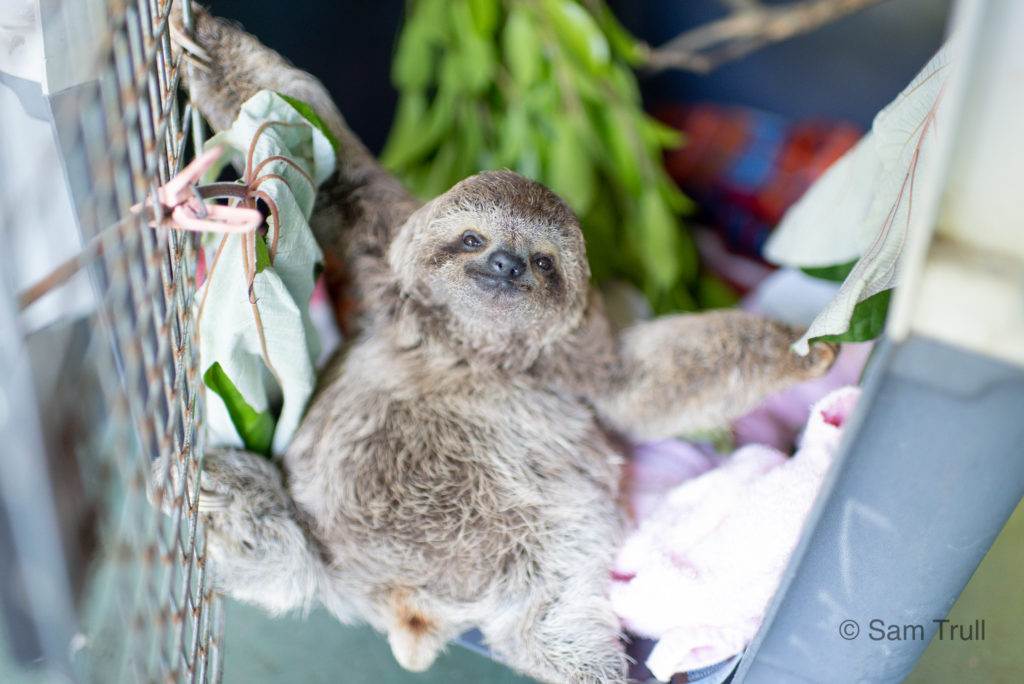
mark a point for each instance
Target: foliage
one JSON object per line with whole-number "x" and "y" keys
{"x": 545, "y": 88}
{"x": 255, "y": 429}
{"x": 257, "y": 343}
{"x": 857, "y": 217}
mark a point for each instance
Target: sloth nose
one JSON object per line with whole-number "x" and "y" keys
{"x": 505, "y": 264}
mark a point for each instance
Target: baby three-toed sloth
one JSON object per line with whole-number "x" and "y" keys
{"x": 458, "y": 464}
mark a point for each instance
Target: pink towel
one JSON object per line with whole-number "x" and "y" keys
{"x": 699, "y": 570}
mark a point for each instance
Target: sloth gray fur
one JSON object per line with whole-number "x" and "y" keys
{"x": 458, "y": 465}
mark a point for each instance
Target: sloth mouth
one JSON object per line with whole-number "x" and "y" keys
{"x": 490, "y": 283}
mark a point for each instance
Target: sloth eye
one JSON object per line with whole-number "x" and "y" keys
{"x": 543, "y": 262}
{"x": 471, "y": 240}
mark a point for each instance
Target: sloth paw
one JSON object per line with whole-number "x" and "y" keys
{"x": 182, "y": 40}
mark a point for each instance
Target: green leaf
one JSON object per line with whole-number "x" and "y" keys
{"x": 431, "y": 17}
{"x": 686, "y": 251}
{"x": 478, "y": 64}
{"x": 472, "y": 63}
{"x": 513, "y": 135}
{"x": 867, "y": 323}
{"x": 529, "y": 163}
{"x": 570, "y": 172}
{"x": 658, "y": 235}
{"x": 262, "y": 254}
{"x": 405, "y": 142}
{"x": 623, "y": 80}
{"x": 419, "y": 130}
{"x": 622, "y": 42}
{"x": 679, "y": 203}
{"x": 306, "y": 145}
{"x": 715, "y": 293}
{"x": 522, "y": 47}
{"x": 624, "y": 153}
{"x": 442, "y": 170}
{"x": 470, "y": 142}
{"x": 677, "y": 298}
{"x": 835, "y": 274}
{"x": 311, "y": 116}
{"x": 660, "y": 135}
{"x": 721, "y": 439}
{"x": 579, "y": 32}
{"x": 609, "y": 249}
{"x": 462, "y": 19}
{"x": 413, "y": 64}
{"x": 590, "y": 90}
{"x": 450, "y": 76}
{"x": 255, "y": 428}
{"x": 485, "y": 16}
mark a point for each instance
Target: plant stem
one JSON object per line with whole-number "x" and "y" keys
{"x": 749, "y": 26}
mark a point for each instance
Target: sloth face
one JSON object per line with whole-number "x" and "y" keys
{"x": 503, "y": 252}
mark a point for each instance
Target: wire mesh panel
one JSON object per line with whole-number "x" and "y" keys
{"x": 115, "y": 375}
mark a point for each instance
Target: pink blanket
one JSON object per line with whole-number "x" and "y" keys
{"x": 700, "y": 568}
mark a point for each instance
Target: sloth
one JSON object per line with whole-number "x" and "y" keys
{"x": 458, "y": 464}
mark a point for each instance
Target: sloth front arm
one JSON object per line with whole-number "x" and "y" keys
{"x": 688, "y": 372}
{"x": 360, "y": 205}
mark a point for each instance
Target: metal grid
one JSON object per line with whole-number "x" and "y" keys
{"x": 128, "y": 388}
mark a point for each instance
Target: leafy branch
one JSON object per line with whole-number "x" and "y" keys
{"x": 546, "y": 88}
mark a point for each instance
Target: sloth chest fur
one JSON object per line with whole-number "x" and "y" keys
{"x": 445, "y": 457}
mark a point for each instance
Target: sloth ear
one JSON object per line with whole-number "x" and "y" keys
{"x": 407, "y": 244}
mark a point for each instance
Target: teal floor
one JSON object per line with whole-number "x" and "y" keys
{"x": 292, "y": 650}
{"x": 319, "y": 650}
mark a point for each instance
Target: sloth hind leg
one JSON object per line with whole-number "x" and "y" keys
{"x": 260, "y": 551}
{"x": 572, "y": 639}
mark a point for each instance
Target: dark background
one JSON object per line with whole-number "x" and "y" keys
{"x": 849, "y": 69}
